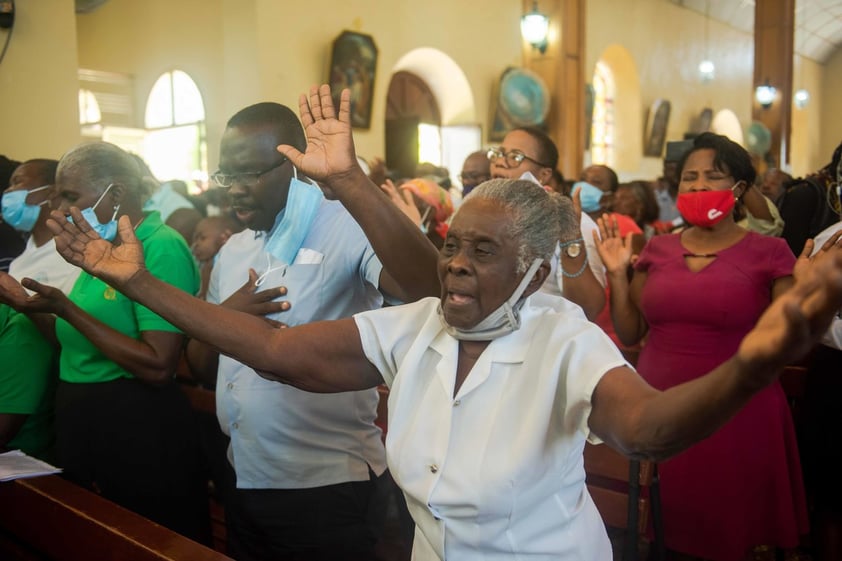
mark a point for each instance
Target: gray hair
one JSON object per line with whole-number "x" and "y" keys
{"x": 101, "y": 163}
{"x": 538, "y": 217}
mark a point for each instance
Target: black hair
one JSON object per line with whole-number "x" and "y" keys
{"x": 280, "y": 117}
{"x": 46, "y": 169}
{"x": 643, "y": 193}
{"x": 548, "y": 152}
{"x": 728, "y": 157}
{"x": 7, "y": 168}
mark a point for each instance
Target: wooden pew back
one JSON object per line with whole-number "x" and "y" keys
{"x": 49, "y": 518}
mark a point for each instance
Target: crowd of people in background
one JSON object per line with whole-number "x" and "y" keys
{"x": 685, "y": 270}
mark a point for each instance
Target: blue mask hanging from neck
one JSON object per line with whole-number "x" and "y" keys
{"x": 17, "y": 213}
{"x": 590, "y": 195}
{"x": 107, "y": 231}
{"x": 294, "y": 222}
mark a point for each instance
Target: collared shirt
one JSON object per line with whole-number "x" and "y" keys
{"x": 45, "y": 265}
{"x": 283, "y": 437}
{"x": 496, "y": 471}
{"x": 27, "y": 382}
{"x": 167, "y": 258}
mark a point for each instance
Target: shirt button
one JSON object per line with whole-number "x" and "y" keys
{"x": 235, "y": 426}
{"x": 434, "y": 468}
{"x": 230, "y": 386}
{"x": 457, "y": 403}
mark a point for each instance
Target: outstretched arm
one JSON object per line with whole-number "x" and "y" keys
{"x": 152, "y": 357}
{"x": 305, "y": 356}
{"x": 643, "y": 422}
{"x": 408, "y": 257}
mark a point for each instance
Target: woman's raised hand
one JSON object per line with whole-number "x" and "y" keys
{"x": 46, "y": 299}
{"x": 80, "y": 245}
{"x": 330, "y": 146}
{"x": 403, "y": 200}
{"x": 615, "y": 251}
{"x": 807, "y": 259}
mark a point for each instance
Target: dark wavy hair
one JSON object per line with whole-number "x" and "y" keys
{"x": 729, "y": 157}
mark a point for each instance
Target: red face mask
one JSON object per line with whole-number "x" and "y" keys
{"x": 705, "y": 208}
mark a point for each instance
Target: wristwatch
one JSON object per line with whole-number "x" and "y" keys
{"x": 573, "y": 249}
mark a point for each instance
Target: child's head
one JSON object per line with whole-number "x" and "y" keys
{"x": 210, "y": 234}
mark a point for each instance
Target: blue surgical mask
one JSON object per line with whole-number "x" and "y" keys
{"x": 17, "y": 213}
{"x": 107, "y": 231}
{"x": 289, "y": 232}
{"x": 589, "y": 197}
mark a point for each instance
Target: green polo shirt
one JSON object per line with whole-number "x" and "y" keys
{"x": 27, "y": 382}
{"x": 169, "y": 259}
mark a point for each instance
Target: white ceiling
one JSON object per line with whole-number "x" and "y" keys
{"x": 818, "y": 23}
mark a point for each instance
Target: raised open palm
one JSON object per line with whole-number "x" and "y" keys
{"x": 80, "y": 245}
{"x": 330, "y": 146}
{"x": 45, "y": 299}
{"x": 614, "y": 250}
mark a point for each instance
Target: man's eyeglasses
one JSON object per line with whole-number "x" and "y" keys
{"x": 246, "y": 179}
{"x": 513, "y": 158}
{"x": 474, "y": 177}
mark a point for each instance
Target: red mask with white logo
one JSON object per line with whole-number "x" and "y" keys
{"x": 705, "y": 208}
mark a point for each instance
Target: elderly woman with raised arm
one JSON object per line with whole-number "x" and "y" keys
{"x": 492, "y": 397}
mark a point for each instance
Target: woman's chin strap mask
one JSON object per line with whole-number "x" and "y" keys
{"x": 500, "y": 322}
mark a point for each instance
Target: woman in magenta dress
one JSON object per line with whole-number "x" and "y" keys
{"x": 696, "y": 294}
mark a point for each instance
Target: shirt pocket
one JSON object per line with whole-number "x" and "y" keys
{"x": 305, "y": 292}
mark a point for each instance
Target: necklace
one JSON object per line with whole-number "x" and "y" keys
{"x": 703, "y": 255}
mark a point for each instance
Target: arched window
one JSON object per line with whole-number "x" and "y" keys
{"x": 89, "y": 113}
{"x": 602, "y": 129}
{"x": 175, "y": 146}
{"x": 174, "y": 100}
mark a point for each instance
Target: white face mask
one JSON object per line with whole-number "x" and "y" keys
{"x": 502, "y": 321}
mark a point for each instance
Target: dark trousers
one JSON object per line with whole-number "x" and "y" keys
{"x": 136, "y": 445}
{"x": 339, "y": 522}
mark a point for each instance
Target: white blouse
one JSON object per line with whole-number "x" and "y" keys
{"x": 495, "y": 472}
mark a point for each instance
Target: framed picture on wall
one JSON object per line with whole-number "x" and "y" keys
{"x": 353, "y": 63}
{"x": 656, "y": 128}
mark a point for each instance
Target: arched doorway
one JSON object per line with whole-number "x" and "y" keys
{"x": 430, "y": 113}
{"x": 409, "y": 103}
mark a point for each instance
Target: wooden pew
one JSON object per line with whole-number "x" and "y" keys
{"x": 51, "y": 519}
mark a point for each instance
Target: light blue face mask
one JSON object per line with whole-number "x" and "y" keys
{"x": 17, "y": 213}
{"x": 295, "y": 221}
{"x": 107, "y": 231}
{"x": 590, "y": 195}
